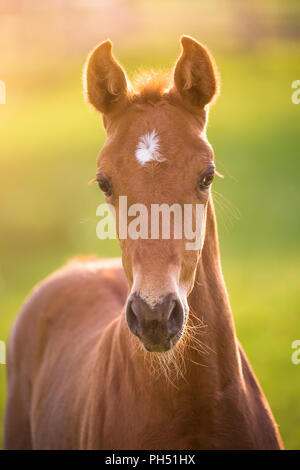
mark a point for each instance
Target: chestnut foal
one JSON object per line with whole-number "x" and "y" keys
{"x": 93, "y": 367}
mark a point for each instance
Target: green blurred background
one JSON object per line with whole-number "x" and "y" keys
{"x": 49, "y": 140}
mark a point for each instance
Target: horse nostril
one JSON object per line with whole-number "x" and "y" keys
{"x": 155, "y": 325}
{"x": 132, "y": 319}
{"x": 175, "y": 319}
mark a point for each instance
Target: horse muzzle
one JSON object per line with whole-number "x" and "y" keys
{"x": 158, "y": 325}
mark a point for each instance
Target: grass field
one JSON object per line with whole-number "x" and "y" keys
{"x": 49, "y": 143}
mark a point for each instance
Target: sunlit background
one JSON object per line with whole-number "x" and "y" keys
{"x": 49, "y": 140}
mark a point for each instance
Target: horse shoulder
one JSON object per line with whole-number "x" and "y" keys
{"x": 84, "y": 295}
{"x": 79, "y": 286}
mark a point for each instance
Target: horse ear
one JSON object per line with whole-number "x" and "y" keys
{"x": 105, "y": 80}
{"x": 195, "y": 74}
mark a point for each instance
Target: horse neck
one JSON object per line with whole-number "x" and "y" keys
{"x": 213, "y": 346}
{"x": 210, "y": 307}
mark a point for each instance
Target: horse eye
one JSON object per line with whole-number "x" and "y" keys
{"x": 206, "y": 181}
{"x": 105, "y": 186}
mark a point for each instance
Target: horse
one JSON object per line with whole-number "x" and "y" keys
{"x": 140, "y": 352}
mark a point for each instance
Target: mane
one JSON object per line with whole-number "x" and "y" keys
{"x": 151, "y": 85}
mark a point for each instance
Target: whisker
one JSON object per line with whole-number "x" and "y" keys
{"x": 172, "y": 365}
{"x": 229, "y": 205}
{"x": 223, "y": 213}
{"x": 198, "y": 363}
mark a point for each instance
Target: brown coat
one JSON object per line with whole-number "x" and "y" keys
{"x": 77, "y": 377}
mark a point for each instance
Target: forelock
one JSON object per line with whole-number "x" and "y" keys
{"x": 151, "y": 86}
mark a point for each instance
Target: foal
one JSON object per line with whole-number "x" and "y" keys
{"x": 143, "y": 356}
